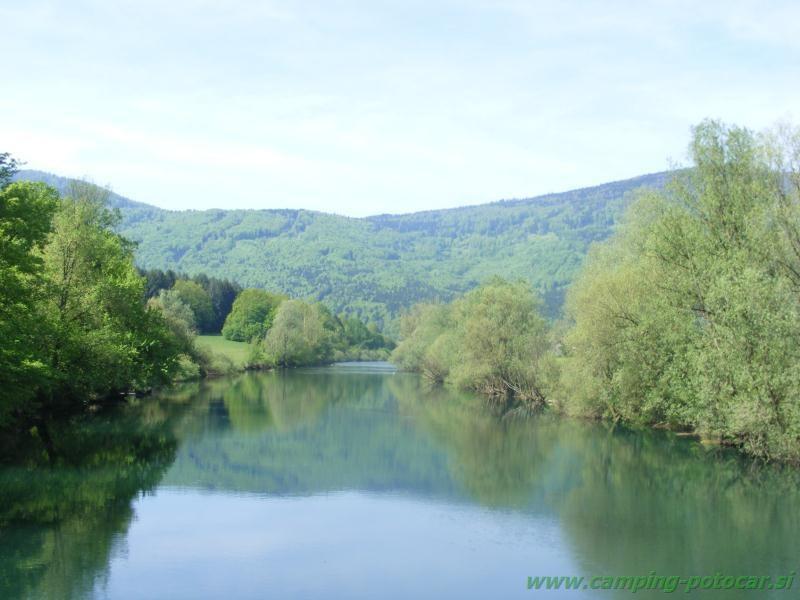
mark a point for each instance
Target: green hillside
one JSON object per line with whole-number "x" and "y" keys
{"x": 376, "y": 266}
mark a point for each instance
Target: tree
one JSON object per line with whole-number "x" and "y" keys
{"x": 419, "y": 330}
{"x": 298, "y": 336}
{"x": 223, "y": 293}
{"x": 491, "y": 340}
{"x": 179, "y": 317}
{"x": 251, "y": 315}
{"x": 8, "y": 167}
{"x": 502, "y": 341}
{"x": 26, "y": 213}
{"x": 101, "y": 339}
{"x": 357, "y": 334}
{"x": 157, "y": 280}
{"x": 199, "y": 301}
{"x": 689, "y": 316}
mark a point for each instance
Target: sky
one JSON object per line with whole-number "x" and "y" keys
{"x": 372, "y": 106}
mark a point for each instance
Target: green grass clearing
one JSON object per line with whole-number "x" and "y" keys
{"x": 237, "y": 352}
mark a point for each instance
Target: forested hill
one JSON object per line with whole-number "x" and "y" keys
{"x": 378, "y": 265}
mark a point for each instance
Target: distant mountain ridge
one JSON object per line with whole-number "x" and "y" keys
{"x": 376, "y": 266}
{"x": 62, "y": 185}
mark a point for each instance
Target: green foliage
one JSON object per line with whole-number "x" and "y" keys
{"x": 252, "y": 315}
{"x": 26, "y": 211}
{"x": 74, "y": 327}
{"x": 100, "y": 337}
{"x": 492, "y": 340}
{"x": 690, "y": 316}
{"x": 178, "y": 316}
{"x": 419, "y": 330}
{"x": 307, "y": 333}
{"x": 8, "y": 168}
{"x": 357, "y": 334}
{"x": 501, "y": 339}
{"x": 375, "y": 268}
{"x": 199, "y": 301}
{"x": 157, "y": 280}
{"x": 221, "y": 292}
{"x": 298, "y": 336}
{"x": 199, "y": 358}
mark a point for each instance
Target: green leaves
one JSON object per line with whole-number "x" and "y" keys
{"x": 26, "y": 210}
{"x": 194, "y": 296}
{"x": 72, "y": 319}
{"x": 298, "y": 336}
{"x": 252, "y": 315}
{"x": 375, "y": 268}
{"x": 690, "y": 315}
{"x": 492, "y": 340}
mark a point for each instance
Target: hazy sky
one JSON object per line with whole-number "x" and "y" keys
{"x": 362, "y": 107}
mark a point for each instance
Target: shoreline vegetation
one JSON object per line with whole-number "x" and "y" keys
{"x": 82, "y": 327}
{"x": 686, "y": 319}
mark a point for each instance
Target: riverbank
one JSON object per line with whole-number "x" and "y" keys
{"x": 228, "y": 356}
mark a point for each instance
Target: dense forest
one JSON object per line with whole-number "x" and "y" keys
{"x": 81, "y": 325}
{"x": 687, "y": 318}
{"x": 376, "y": 267}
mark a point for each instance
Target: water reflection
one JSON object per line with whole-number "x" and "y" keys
{"x": 60, "y": 523}
{"x": 487, "y": 500}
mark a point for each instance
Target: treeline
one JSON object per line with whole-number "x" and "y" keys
{"x": 687, "y": 318}
{"x": 211, "y": 305}
{"x": 73, "y": 324}
{"x": 79, "y": 323}
{"x": 282, "y": 332}
{"x": 375, "y": 267}
{"x": 210, "y": 298}
{"x": 492, "y": 340}
{"x": 287, "y": 333}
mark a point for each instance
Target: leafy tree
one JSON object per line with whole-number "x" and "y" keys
{"x": 419, "y": 329}
{"x": 26, "y": 212}
{"x": 690, "y": 315}
{"x": 222, "y": 292}
{"x": 251, "y": 315}
{"x": 298, "y": 336}
{"x": 502, "y": 341}
{"x": 74, "y": 325}
{"x": 178, "y": 315}
{"x": 492, "y": 340}
{"x": 199, "y": 301}
{"x": 357, "y": 334}
{"x": 101, "y": 339}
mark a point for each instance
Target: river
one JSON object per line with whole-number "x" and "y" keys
{"x": 355, "y": 481}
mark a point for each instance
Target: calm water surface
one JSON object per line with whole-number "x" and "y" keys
{"x": 357, "y": 482}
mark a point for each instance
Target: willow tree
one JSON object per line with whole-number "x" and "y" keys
{"x": 690, "y": 316}
{"x": 492, "y": 340}
{"x": 298, "y": 336}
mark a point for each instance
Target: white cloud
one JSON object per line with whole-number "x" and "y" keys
{"x": 381, "y": 106}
